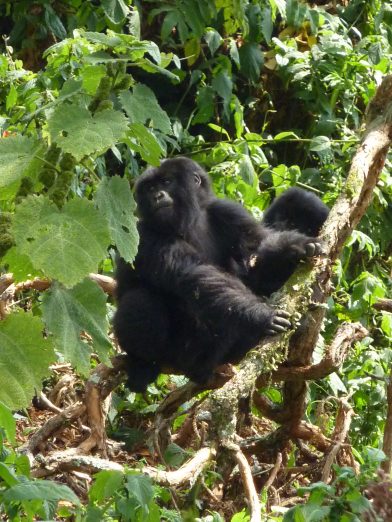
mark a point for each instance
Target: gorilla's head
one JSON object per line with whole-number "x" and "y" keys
{"x": 172, "y": 194}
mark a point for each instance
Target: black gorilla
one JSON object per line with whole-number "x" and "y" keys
{"x": 191, "y": 302}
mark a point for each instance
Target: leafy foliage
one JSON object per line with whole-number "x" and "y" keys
{"x": 265, "y": 94}
{"x": 22, "y": 368}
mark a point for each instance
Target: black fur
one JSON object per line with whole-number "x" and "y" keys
{"x": 191, "y": 301}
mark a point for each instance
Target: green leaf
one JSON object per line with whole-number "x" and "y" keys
{"x": 247, "y": 172}
{"x": 213, "y": 39}
{"x": 40, "y": 490}
{"x": 8, "y": 475}
{"x": 320, "y": 143}
{"x": 223, "y": 85}
{"x": 16, "y": 152}
{"x": 106, "y": 484}
{"x": 386, "y": 324}
{"x": 91, "y": 76}
{"x": 192, "y": 50}
{"x": 140, "y": 487}
{"x": 286, "y": 134}
{"x": 24, "y": 359}
{"x": 19, "y": 264}
{"x": 65, "y": 244}
{"x": 54, "y": 23}
{"x": 205, "y": 105}
{"x": 7, "y": 422}
{"x": 115, "y": 201}
{"x": 169, "y": 22}
{"x": 241, "y": 516}
{"x": 115, "y": 10}
{"x": 267, "y": 25}
{"x": 251, "y": 61}
{"x": 76, "y": 131}
{"x": 175, "y": 455}
{"x": 145, "y": 143}
{"x": 68, "y": 313}
{"x": 11, "y": 98}
{"x": 141, "y": 106}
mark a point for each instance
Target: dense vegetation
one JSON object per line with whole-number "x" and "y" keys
{"x": 265, "y": 94}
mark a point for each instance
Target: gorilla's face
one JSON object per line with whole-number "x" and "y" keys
{"x": 173, "y": 193}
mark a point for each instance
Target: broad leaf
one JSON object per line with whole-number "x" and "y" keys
{"x": 213, "y": 39}
{"x": 115, "y": 201}
{"x": 115, "y": 10}
{"x": 142, "y": 106}
{"x": 145, "y": 143}
{"x": 140, "y": 487}
{"x": 251, "y": 60}
{"x": 24, "y": 358}
{"x": 106, "y": 484}
{"x": 7, "y": 422}
{"x": 76, "y": 131}
{"x": 68, "y": 313}
{"x": 17, "y": 153}
{"x": 67, "y": 244}
{"x": 40, "y": 490}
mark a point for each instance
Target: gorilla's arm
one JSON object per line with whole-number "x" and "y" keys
{"x": 267, "y": 257}
{"x": 207, "y": 292}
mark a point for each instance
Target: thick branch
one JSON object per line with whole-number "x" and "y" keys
{"x": 73, "y": 460}
{"x": 316, "y": 287}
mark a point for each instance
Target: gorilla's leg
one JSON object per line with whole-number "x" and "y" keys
{"x": 141, "y": 325}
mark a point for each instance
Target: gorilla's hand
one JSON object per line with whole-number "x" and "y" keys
{"x": 279, "y": 322}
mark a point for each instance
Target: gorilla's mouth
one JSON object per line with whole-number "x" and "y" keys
{"x": 162, "y": 204}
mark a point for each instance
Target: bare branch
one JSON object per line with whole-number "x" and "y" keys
{"x": 343, "y": 422}
{"x": 249, "y": 486}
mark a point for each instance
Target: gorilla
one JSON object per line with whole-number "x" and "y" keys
{"x": 193, "y": 299}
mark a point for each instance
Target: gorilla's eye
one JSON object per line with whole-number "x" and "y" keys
{"x": 166, "y": 181}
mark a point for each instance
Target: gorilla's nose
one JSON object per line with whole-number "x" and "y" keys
{"x": 159, "y": 195}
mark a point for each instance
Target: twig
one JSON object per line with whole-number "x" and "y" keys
{"x": 274, "y": 472}
{"x": 249, "y": 486}
{"x": 108, "y": 284}
{"x": 48, "y": 404}
{"x": 387, "y": 442}
{"x": 55, "y": 423}
{"x": 343, "y": 422}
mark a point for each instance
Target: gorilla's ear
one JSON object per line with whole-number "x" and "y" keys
{"x": 197, "y": 178}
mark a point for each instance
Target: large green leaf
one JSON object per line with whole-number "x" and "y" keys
{"x": 145, "y": 143}
{"x": 115, "y": 201}
{"x": 140, "y": 487}
{"x": 251, "y": 60}
{"x": 76, "y": 131}
{"x": 115, "y": 10}
{"x": 16, "y": 152}
{"x": 141, "y": 106}
{"x": 68, "y": 313}
{"x": 65, "y": 244}
{"x": 40, "y": 490}
{"x": 106, "y": 484}
{"x": 24, "y": 358}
